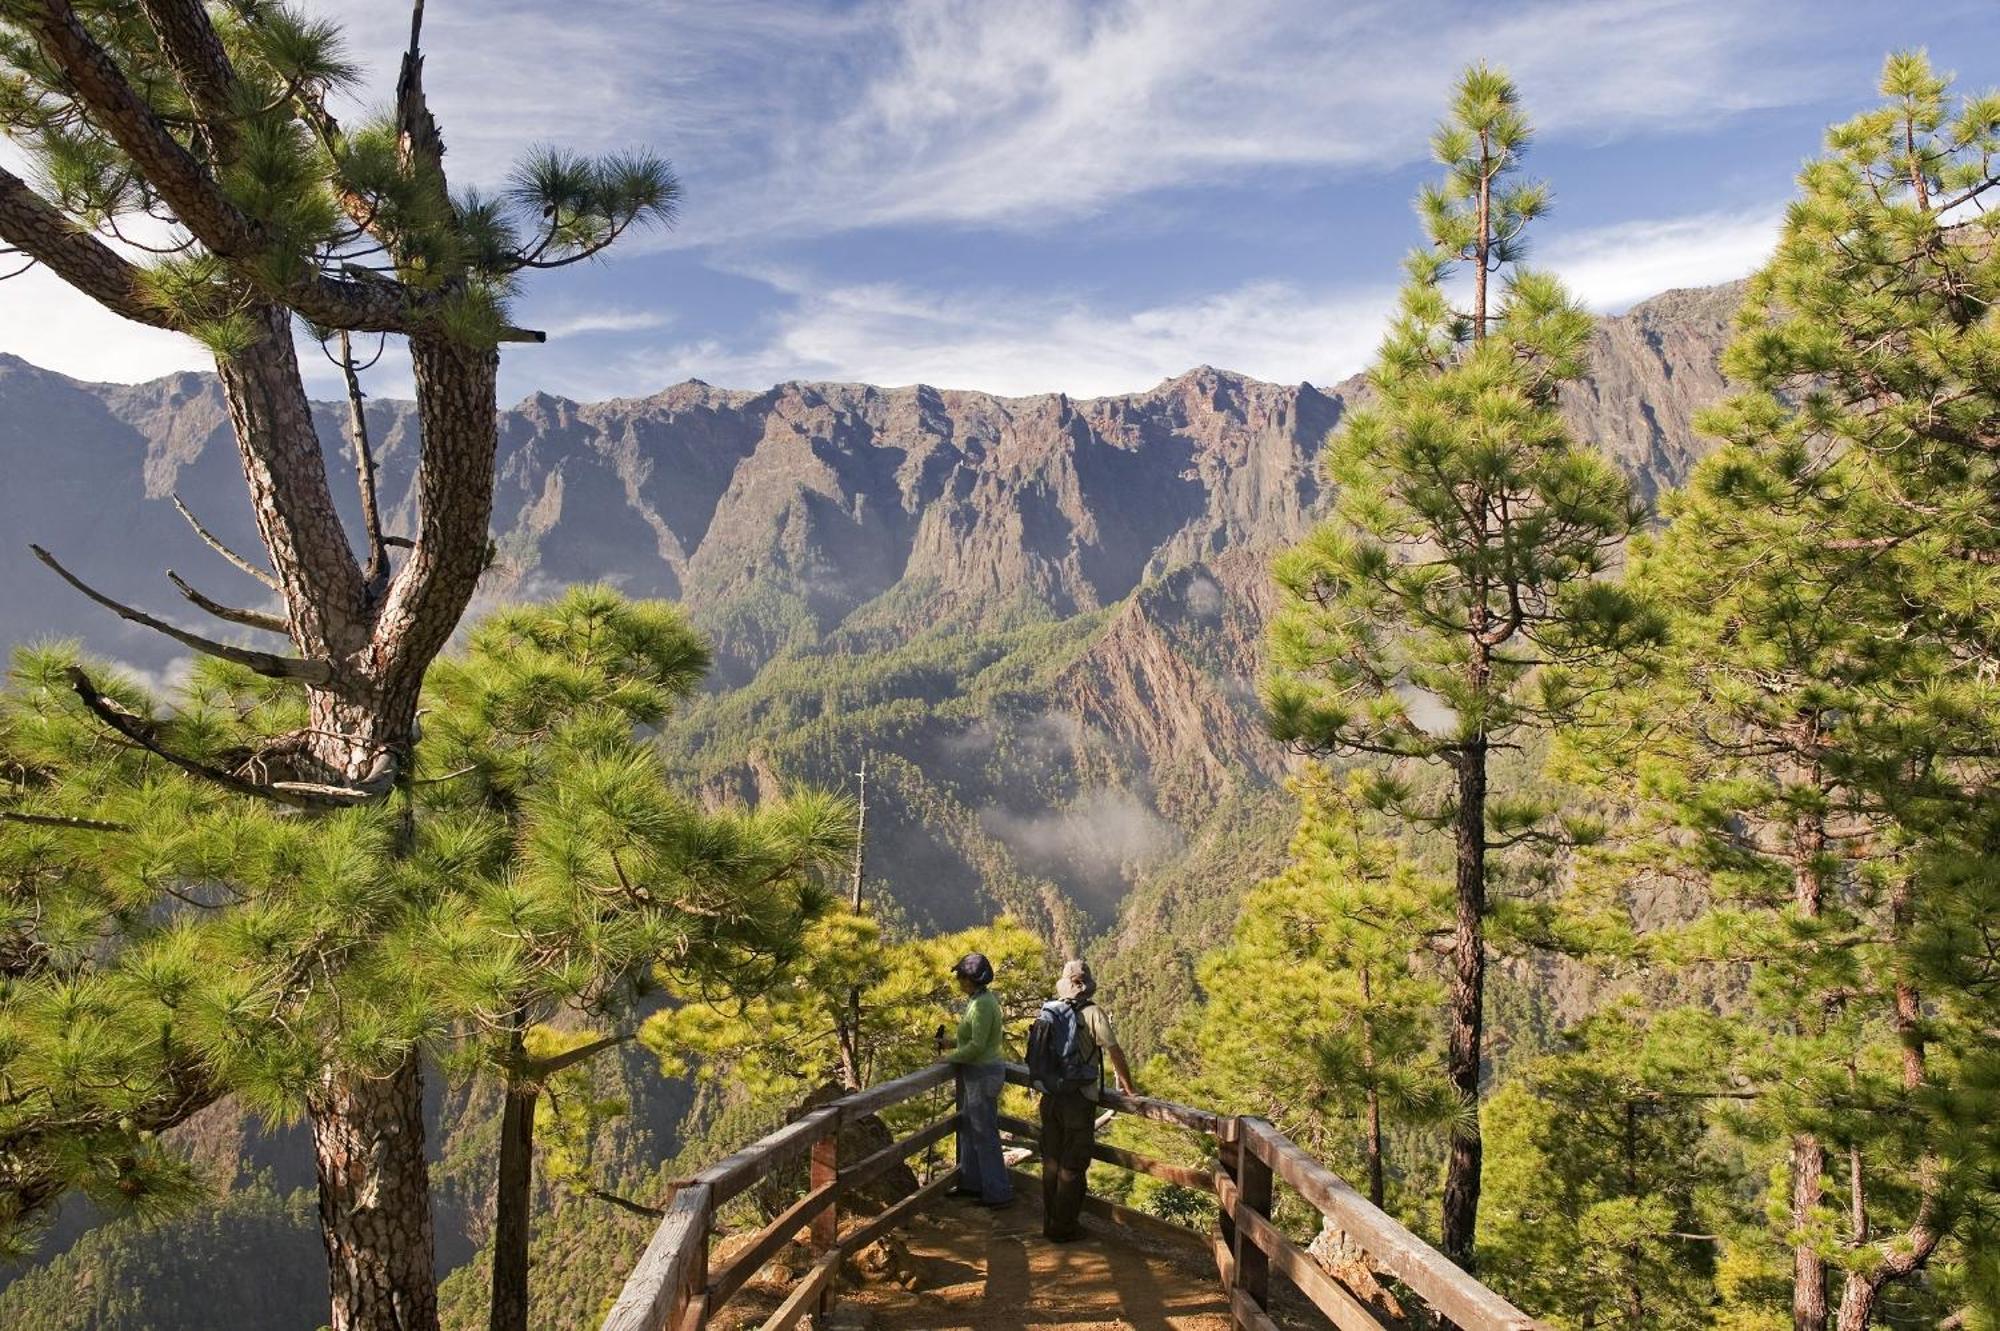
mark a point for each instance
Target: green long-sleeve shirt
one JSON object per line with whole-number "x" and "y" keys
{"x": 978, "y": 1030}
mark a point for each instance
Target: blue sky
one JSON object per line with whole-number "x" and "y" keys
{"x": 1086, "y": 195}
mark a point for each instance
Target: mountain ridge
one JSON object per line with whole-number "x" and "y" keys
{"x": 848, "y": 526}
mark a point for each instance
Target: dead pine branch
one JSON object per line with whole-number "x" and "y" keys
{"x": 255, "y": 619}
{"x": 214, "y": 543}
{"x": 263, "y": 663}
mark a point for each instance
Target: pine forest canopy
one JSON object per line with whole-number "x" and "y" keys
{"x": 1633, "y": 940}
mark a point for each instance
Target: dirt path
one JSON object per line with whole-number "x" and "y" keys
{"x": 993, "y": 1271}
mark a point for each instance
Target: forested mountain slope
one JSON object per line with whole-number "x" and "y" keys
{"x": 1041, "y": 614}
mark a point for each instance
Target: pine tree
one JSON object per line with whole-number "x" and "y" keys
{"x": 1735, "y": 759}
{"x": 1603, "y": 1187}
{"x": 538, "y": 868}
{"x": 211, "y": 127}
{"x": 599, "y": 870}
{"x": 1441, "y": 613}
{"x": 89, "y": 1081}
{"x": 1871, "y": 422}
{"x": 775, "y": 1044}
{"x": 1320, "y": 1013}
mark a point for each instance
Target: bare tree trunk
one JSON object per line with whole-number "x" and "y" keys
{"x": 1909, "y": 1252}
{"x": 852, "y": 1068}
{"x": 1374, "y": 1143}
{"x": 1467, "y": 1001}
{"x": 514, "y": 1200}
{"x": 1808, "y": 1155}
{"x": 374, "y": 1200}
{"x": 1808, "y": 1168}
{"x": 514, "y": 1184}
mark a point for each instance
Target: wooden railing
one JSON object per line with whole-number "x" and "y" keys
{"x": 672, "y": 1288}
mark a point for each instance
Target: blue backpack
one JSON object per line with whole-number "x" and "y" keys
{"x": 1056, "y": 1061}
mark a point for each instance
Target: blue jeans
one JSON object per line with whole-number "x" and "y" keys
{"x": 981, "y": 1168}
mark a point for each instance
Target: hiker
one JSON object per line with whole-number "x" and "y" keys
{"x": 1067, "y": 1048}
{"x": 982, "y": 1171}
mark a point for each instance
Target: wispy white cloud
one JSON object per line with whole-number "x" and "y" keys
{"x": 791, "y": 118}
{"x": 1023, "y": 341}
{"x": 806, "y": 119}
{"x": 603, "y": 321}
{"x": 1612, "y": 267}
{"x": 44, "y": 321}
{"x": 1031, "y": 112}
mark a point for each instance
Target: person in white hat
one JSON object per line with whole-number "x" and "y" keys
{"x": 1070, "y": 1097}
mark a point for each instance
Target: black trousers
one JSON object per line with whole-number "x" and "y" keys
{"x": 1069, "y": 1129}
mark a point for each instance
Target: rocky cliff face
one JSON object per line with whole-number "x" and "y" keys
{"x": 910, "y": 569}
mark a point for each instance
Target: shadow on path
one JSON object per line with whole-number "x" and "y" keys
{"x": 993, "y": 1271}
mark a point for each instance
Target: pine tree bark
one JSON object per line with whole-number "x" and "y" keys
{"x": 514, "y": 1191}
{"x": 1376, "y": 1190}
{"x": 1808, "y": 1155}
{"x": 374, "y": 1200}
{"x": 1808, "y": 1169}
{"x": 1467, "y": 1001}
{"x": 514, "y": 1201}
{"x": 1912, "y": 1249}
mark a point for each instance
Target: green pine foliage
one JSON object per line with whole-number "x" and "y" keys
{"x": 539, "y": 874}
{"x": 1447, "y": 609}
{"x": 1610, "y": 1195}
{"x": 1320, "y": 1012}
{"x": 1813, "y": 761}
{"x": 1869, "y": 345}
{"x": 774, "y": 1045}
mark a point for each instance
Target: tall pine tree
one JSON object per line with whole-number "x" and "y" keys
{"x": 1738, "y": 762}
{"x": 1869, "y": 348}
{"x": 1439, "y": 616}
{"x": 593, "y": 877}
{"x": 538, "y": 869}
{"x": 186, "y": 171}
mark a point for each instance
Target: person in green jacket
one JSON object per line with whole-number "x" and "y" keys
{"x": 982, "y": 1171}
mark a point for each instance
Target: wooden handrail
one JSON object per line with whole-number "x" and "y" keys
{"x": 1435, "y": 1278}
{"x": 1145, "y": 1106}
{"x": 889, "y": 1094}
{"x": 1331, "y": 1297}
{"x": 671, "y": 1288}
{"x": 658, "y": 1280}
{"x": 730, "y": 1175}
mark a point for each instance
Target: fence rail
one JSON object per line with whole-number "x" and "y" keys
{"x": 673, "y": 1288}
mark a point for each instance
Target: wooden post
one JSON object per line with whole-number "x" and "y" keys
{"x": 1253, "y": 1193}
{"x": 958, "y": 1107}
{"x": 825, "y": 1170}
{"x": 693, "y": 1315}
{"x": 826, "y": 1225}
{"x": 1225, "y": 1164}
